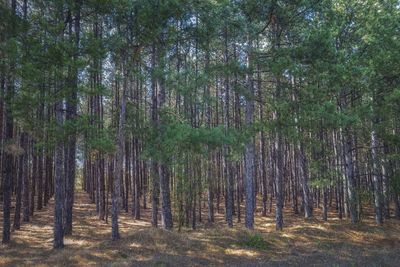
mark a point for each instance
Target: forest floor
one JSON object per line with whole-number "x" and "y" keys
{"x": 303, "y": 242}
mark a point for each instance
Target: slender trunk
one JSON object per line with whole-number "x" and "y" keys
{"x": 102, "y": 188}
{"x": 228, "y": 167}
{"x": 348, "y": 165}
{"x": 59, "y": 184}
{"x": 33, "y": 182}
{"x": 324, "y": 204}
{"x": 249, "y": 159}
{"x": 272, "y": 175}
{"x": 375, "y": 178}
{"x": 264, "y": 185}
{"x": 119, "y": 161}
{"x": 136, "y": 183}
{"x": 71, "y": 110}
{"x": 338, "y": 179}
{"x": 127, "y": 175}
{"x": 166, "y": 213}
{"x": 17, "y": 214}
{"x": 278, "y": 149}
{"x": 25, "y": 177}
{"x": 154, "y": 174}
{"x": 385, "y": 183}
{"x": 7, "y": 156}
{"x": 302, "y": 167}
{"x": 279, "y": 179}
{"x": 293, "y": 178}
{"x": 209, "y": 159}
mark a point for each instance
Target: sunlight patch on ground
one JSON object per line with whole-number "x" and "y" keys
{"x": 101, "y": 255}
{"x": 76, "y": 242}
{"x": 135, "y": 245}
{"x": 5, "y": 260}
{"x": 242, "y": 252}
{"x": 211, "y": 244}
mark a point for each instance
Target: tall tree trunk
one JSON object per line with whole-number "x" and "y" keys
{"x": 278, "y": 149}
{"x": 71, "y": 110}
{"x": 264, "y": 185}
{"x": 338, "y": 179}
{"x": 375, "y": 177}
{"x": 102, "y": 188}
{"x": 33, "y": 181}
{"x": 7, "y": 156}
{"x": 249, "y": 158}
{"x": 302, "y": 167}
{"x": 17, "y": 214}
{"x": 348, "y": 164}
{"x": 209, "y": 159}
{"x": 228, "y": 165}
{"x": 154, "y": 117}
{"x": 279, "y": 179}
{"x": 385, "y": 183}
{"x": 119, "y": 160}
{"x": 59, "y": 183}
{"x": 137, "y": 181}
{"x": 348, "y": 167}
{"x": 25, "y": 177}
{"x": 127, "y": 174}
{"x": 166, "y": 213}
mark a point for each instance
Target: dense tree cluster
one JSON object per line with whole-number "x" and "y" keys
{"x": 195, "y": 105}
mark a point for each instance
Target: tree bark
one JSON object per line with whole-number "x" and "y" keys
{"x": 25, "y": 178}
{"x": 59, "y": 183}
{"x": 228, "y": 165}
{"x": 166, "y": 213}
{"x": 17, "y": 214}
{"x": 348, "y": 164}
{"x": 119, "y": 162}
{"x": 71, "y": 110}
{"x": 7, "y": 156}
{"x": 375, "y": 178}
{"x": 249, "y": 158}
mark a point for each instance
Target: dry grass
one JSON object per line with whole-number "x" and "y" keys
{"x": 304, "y": 242}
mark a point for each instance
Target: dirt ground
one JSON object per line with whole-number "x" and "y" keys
{"x": 310, "y": 242}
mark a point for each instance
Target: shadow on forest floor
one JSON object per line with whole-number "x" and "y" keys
{"x": 302, "y": 242}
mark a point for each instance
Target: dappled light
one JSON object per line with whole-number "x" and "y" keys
{"x": 199, "y": 133}
{"x": 304, "y": 240}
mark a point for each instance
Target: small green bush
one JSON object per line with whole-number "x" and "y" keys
{"x": 254, "y": 241}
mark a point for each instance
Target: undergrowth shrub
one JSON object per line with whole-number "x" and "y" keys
{"x": 254, "y": 241}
